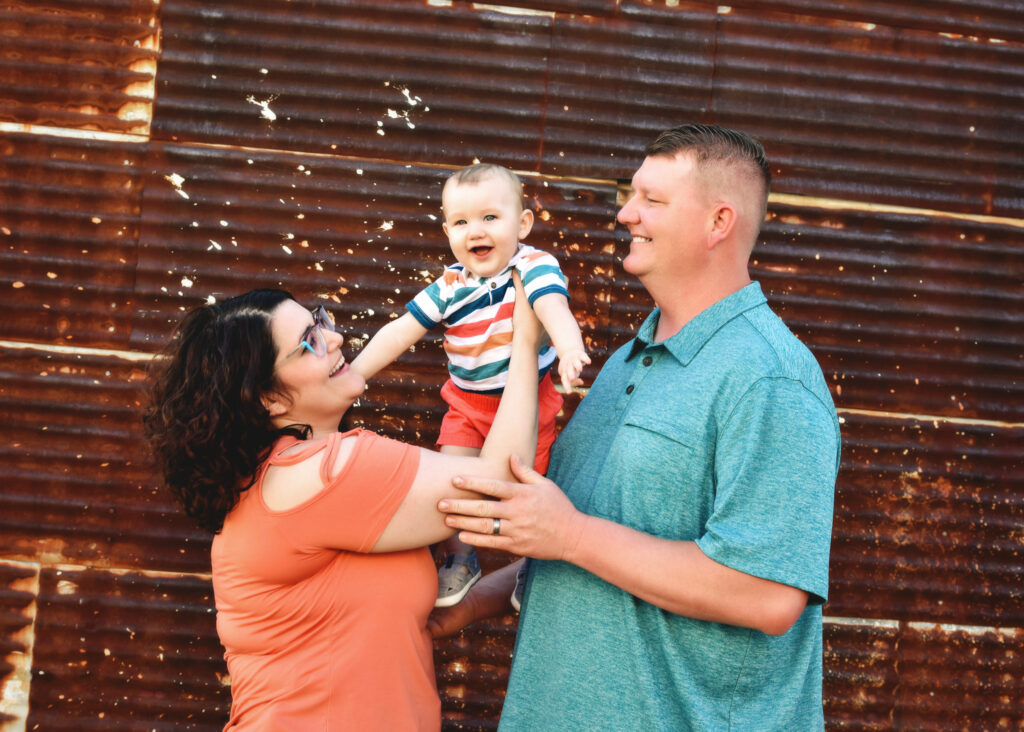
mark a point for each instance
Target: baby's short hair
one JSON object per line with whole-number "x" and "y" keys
{"x": 481, "y": 171}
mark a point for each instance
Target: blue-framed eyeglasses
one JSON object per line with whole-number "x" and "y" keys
{"x": 313, "y": 339}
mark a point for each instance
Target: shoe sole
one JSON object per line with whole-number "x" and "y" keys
{"x": 458, "y": 596}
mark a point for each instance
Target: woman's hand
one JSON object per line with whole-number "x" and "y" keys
{"x": 525, "y": 324}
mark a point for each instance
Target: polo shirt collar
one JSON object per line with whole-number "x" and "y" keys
{"x": 685, "y": 344}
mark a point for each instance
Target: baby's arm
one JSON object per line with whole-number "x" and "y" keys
{"x": 387, "y": 344}
{"x": 554, "y": 314}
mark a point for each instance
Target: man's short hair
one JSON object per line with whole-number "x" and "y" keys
{"x": 481, "y": 171}
{"x": 711, "y": 143}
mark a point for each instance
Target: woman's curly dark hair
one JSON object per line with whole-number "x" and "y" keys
{"x": 206, "y": 423}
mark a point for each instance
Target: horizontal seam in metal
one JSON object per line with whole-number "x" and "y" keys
{"x": 932, "y": 418}
{"x": 838, "y": 203}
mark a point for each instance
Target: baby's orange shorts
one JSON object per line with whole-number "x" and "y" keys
{"x": 471, "y": 414}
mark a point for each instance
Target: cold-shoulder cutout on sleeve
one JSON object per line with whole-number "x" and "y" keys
{"x": 358, "y": 498}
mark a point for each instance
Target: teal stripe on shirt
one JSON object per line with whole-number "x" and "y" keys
{"x": 481, "y": 372}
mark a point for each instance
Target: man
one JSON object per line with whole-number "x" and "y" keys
{"x": 680, "y": 548}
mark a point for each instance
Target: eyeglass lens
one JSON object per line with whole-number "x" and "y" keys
{"x": 321, "y": 321}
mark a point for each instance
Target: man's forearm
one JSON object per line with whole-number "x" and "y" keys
{"x": 677, "y": 576}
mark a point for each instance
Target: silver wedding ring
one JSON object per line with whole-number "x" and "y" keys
{"x": 496, "y": 527}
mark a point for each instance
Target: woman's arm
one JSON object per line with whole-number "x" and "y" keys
{"x": 514, "y": 431}
{"x": 387, "y": 344}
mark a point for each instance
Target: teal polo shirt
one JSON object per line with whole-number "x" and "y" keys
{"x": 724, "y": 434}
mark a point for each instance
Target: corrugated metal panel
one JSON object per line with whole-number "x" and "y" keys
{"x": 69, "y": 228}
{"x": 1000, "y": 19}
{"x": 906, "y": 312}
{"x": 870, "y": 112}
{"x": 304, "y": 143}
{"x": 650, "y": 57}
{"x": 83, "y": 64}
{"x": 19, "y": 586}
{"x": 392, "y": 80}
{"x": 921, "y": 676}
{"x": 76, "y": 485}
{"x": 929, "y": 518}
{"x": 126, "y": 650}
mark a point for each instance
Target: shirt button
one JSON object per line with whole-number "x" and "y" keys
{"x": 493, "y": 285}
{"x": 648, "y": 361}
{"x": 629, "y": 389}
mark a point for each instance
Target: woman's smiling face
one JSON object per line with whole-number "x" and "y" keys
{"x": 315, "y": 389}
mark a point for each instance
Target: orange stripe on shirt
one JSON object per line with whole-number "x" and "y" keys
{"x": 468, "y": 330}
{"x": 529, "y": 257}
{"x": 475, "y": 349}
{"x": 452, "y": 276}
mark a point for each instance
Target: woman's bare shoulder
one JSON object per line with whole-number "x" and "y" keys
{"x": 303, "y": 474}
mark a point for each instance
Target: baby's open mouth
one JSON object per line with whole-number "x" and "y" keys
{"x": 481, "y": 251}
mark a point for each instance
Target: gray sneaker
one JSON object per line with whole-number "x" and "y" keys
{"x": 458, "y": 573}
{"x": 517, "y": 593}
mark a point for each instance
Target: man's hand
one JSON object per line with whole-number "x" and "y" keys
{"x": 446, "y": 621}
{"x": 534, "y": 517}
{"x": 489, "y": 598}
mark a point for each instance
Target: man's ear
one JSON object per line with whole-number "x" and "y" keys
{"x": 274, "y": 403}
{"x": 723, "y": 222}
{"x": 525, "y": 223}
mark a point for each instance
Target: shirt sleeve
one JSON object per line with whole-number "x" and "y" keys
{"x": 356, "y": 505}
{"x": 775, "y": 471}
{"x": 541, "y": 274}
{"x": 430, "y": 303}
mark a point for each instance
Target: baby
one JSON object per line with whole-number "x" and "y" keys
{"x": 485, "y": 221}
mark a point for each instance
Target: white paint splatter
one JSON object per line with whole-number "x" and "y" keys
{"x": 266, "y": 113}
{"x": 386, "y": 226}
{"x": 176, "y": 180}
{"x": 186, "y": 282}
{"x": 413, "y": 101}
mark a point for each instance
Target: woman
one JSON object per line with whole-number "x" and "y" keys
{"x": 321, "y": 575}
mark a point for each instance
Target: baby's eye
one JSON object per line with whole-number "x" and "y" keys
{"x": 490, "y": 217}
{"x": 459, "y": 222}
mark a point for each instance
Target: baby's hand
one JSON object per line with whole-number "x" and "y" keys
{"x": 570, "y": 367}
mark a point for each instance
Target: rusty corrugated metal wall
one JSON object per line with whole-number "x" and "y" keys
{"x": 155, "y": 153}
